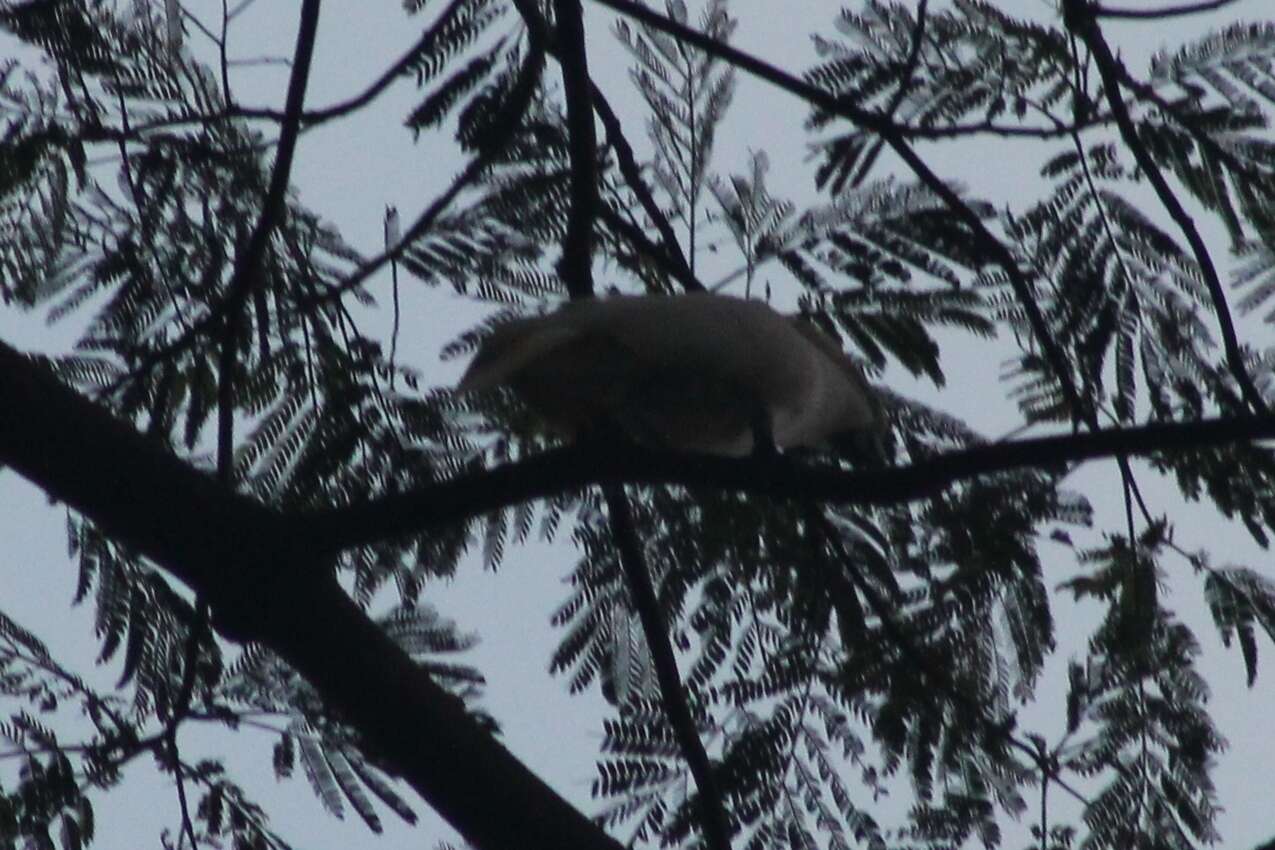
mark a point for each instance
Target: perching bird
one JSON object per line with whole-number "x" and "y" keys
{"x": 696, "y": 372}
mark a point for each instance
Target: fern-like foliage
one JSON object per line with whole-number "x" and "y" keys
{"x": 1137, "y": 713}
{"x": 972, "y": 62}
{"x": 50, "y": 797}
{"x": 1239, "y": 599}
{"x": 1120, "y": 292}
{"x": 688, "y": 94}
{"x": 338, "y": 767}
{"x": 1206, "y": 128}
{"x": 756, "y": 220}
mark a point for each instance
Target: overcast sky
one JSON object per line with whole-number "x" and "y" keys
{"x": 348, "y": 172}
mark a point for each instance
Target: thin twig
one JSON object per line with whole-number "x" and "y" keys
{"x": 187, "y": 826}
{"x": 1100, "y": 11}
{"x": 374, "y": 89}
{"x": 675, "y": 268}
{"x": 1130, "y": 483}
{"x": 632, "y": 173}
{"x": 503, "y": 130}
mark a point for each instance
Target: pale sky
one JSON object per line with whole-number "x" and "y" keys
{"x": 348, "y": 172}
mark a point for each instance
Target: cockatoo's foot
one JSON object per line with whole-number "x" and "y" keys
{"x": 604, "y": 433}
{"x": 763, "y": 435}
{"x": 869, "y": 451}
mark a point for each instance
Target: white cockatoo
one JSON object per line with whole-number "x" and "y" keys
{"x": 696, "y": 372}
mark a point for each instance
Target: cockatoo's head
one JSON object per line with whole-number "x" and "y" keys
{"x": 696, "y": 372}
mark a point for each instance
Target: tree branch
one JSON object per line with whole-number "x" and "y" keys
{"x": 638, "y": 576}
{"x": 150, "y": 500}
{"x": 267, "y": 582}
{"x": 671, "y": 257}
{"x": 595, "y": 462}
{"x": 1080, "y": 20}
{"x": 576, "y": 265}
{"x": 1100, "y": 11}
{"x": 265, "y": 575}
{"x": 248, "y": 262}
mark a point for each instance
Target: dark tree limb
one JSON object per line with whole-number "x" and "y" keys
{"x": 574, "y": 467}
{"x": 637, "y": 574}
{"x": 576, "y": 265}
{"x": 266, "y": 574}
{"x": 1079, "y": 18}
{"x": 268, "y": 582}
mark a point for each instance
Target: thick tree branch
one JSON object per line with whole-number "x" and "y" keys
{"x": 595, "y": 462}
{"x": 267, "y": 582}
{"x": 265, "y": 573}
{"x": 1079, "y": 18}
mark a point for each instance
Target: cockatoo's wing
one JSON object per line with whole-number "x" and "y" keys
{"x": 846, "y": 401}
